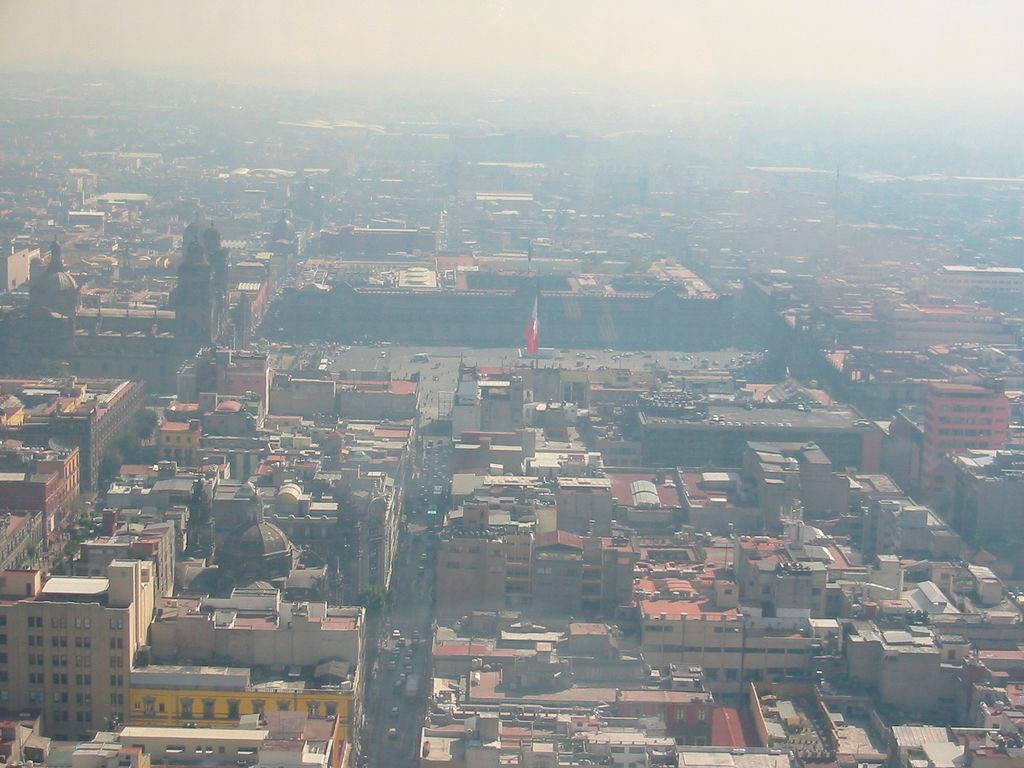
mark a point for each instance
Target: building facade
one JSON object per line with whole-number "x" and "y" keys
{"x": 69, "y": 644}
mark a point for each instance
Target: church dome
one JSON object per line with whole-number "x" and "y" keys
{"x": 262, "y": 540}
{"x": 56, "y": 282}
{"x": 55, "y": 289}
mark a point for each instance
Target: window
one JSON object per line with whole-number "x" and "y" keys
{"x": 83, "y": 642}
{"x": 149, "y": 705}
{"x": 116, "y": 642}
{"x": 233, "y": 709}
{"x": 186, "y": 708}
{"x": 208, "y": 709}
{"x": 59, "y": 641}
{"x": 116, "y": 681}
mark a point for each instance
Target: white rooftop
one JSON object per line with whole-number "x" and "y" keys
{"x": 75, "y": 585}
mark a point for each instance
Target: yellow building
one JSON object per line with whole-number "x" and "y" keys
{"x": 216, "y": 697}
{"x": 12, "y": 414}
{"x": 178, "y": 441}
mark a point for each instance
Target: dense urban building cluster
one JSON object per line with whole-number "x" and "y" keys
{"x": 282, "y": 486}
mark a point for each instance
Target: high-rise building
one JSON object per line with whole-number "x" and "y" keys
{"x": 15, "y": 266}
{"x": 958, "y": 418}
{"x": 67, "y": 644}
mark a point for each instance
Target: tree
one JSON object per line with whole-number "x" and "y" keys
{"x": 145, "y": 423}
{"x": 374, "y": 599}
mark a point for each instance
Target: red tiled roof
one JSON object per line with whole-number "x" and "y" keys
{"x": 726, "y": 728}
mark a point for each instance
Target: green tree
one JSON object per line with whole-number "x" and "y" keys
{"x": 374, "y": 599}
{"x": 145, "y": 423}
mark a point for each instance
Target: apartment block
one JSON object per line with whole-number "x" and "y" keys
{"x": 732, "y": 649}
{"x": 68, "y": 644}
{"x": 958, "y": 418}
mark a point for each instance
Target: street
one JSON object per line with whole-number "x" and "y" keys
{"x": 387, "y": 705}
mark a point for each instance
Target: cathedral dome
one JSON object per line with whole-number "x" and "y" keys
{"x": 55, "y": 289}
{"x": 262, "y": 539}
{"x": 56, "y": 283}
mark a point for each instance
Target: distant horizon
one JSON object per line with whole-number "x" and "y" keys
{"x": 919, "y": 52}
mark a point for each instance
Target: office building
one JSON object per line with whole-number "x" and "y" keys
{"x": 69, "y": 644}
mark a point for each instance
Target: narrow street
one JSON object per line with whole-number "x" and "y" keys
{"x": 387, "y": 704}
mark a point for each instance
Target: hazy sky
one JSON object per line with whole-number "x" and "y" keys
{"x": 928, "y": 49}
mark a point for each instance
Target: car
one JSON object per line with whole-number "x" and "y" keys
{"x": 394, "y": 711}
{"x": 392, "y": 733}
{"x": 396, "y": 633}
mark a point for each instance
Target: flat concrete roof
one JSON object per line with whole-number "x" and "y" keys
{"x": 130, "y": 732}
{"x": 81, "y": 586}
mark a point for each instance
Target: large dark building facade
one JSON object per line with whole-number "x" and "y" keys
{"x": 55, "y": 335}
{"x": 656, "y": 318}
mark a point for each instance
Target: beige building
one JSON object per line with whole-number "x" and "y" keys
{"x": 15, "y": 268}
{"x": 733, "y": 650}
{"x": 69, "y": 643}
{"x": 913, "y": 671}
{"x": 255, "y": 627}
{"x": 771, "y": 578}
{"x": 480, "y": 570}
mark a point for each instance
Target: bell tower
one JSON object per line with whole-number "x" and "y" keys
{"x": 193, "y": 296}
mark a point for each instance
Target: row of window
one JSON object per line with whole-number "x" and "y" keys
{"x": 730, "y": 649}
{"x": 61, "y": 622}
{"x": 151, "y": 706}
